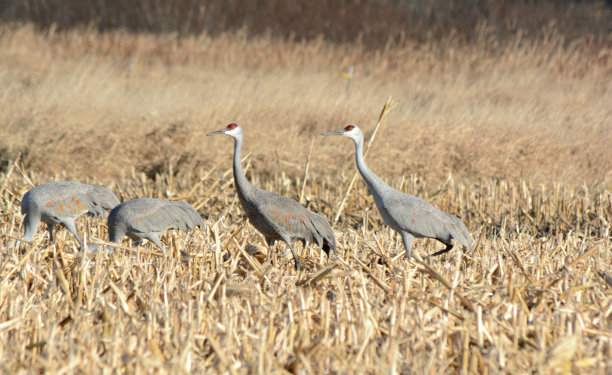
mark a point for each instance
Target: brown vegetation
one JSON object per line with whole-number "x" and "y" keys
{"x": 374, "y": 23}
{"x": 103, "y": 104}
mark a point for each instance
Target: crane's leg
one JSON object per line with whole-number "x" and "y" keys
{"x": 448, "y": 248}
{"x": 295, "y": 258}
{"x": 407, "y": 239}
{"x": 69, "y": 224}
{"x": 270, "y": 243}
{"x": 154, "y": 237}
{"x": 50, "y": 229}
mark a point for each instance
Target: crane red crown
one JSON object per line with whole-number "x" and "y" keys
{"x": 232, "y": 126}
{"x": 349, "y": 128}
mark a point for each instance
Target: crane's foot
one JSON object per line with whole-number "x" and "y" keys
{"x": 13, "y": 244}
{"x": 93, "y": 248}
{"x": 90, "y": 249}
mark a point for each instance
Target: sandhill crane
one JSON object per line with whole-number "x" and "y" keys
{"x": 61, "y": 202}
{"x": 410, "y": 216}
{"x": 275, "y": 216}
{"x": 149, "y": 217}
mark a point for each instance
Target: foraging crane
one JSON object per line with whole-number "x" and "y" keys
{"x": 275, "y": 216}
{"x": 61, "y": 202}
{"x": 148, "y": 217}
{"x": 410, "y": 216}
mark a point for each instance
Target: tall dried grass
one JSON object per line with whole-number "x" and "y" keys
{"x": 534, "y": 110}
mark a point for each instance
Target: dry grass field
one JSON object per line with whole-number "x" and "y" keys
{"x": 514, "y": 138}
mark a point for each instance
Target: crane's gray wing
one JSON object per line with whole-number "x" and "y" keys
{"x": 158, "y": 216}
{"x": 297, "y": 221}
{"x": 45, "y": 195}
{"x": 59, "y": 199}
{"x": 422, "y": 219}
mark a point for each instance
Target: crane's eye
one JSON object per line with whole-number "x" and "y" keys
{"x": 349, "y": 128}
{"x": 232, "y": 126}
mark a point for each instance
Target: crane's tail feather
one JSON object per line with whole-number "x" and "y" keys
{"x": 460, "y": 233}
{"x": 322, "y": 232}
{"x": 101, "y": 200}
{"x": 184, "y": 216}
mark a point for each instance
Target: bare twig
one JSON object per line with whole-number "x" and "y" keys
{"x": 446, "y": 283}
{"x": 305, "y": 177}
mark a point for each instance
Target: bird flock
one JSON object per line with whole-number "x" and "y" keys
{"x": 276, "y": 217}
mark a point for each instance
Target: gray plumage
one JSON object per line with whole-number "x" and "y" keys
{"x": 275, "y": 216}
{"x": 149, "y": 217}
{"x": 61, "y": 202}
{"x": 410, "y": 216}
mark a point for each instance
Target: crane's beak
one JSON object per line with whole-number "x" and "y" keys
{"x": 220, "y": 131}
{"x": 335, "y": 132}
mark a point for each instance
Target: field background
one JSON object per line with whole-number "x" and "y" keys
{"x": 503, "y": 118}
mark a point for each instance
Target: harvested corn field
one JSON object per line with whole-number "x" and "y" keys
{"x": 534, "y": 296}
{"x": 510, "y": 132}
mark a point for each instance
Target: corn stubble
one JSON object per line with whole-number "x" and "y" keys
{"x": 532, "y": 297}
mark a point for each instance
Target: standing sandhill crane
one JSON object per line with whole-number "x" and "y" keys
{"x": 410, "y": 216}
{"x": 61, "y": 202}
{"x": 148, "y": 217}
{"x": 275, "y": 216}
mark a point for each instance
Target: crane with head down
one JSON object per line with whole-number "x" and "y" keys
{"x": 410, "y": 216}
{"x": 62, "y": 202}
{"x": 149, "y": 217}
{"x": 275, "y": 216}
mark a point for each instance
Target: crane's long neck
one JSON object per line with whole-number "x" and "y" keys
{"x": 374, "y": 182}
{"x": 243, "y": 187}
